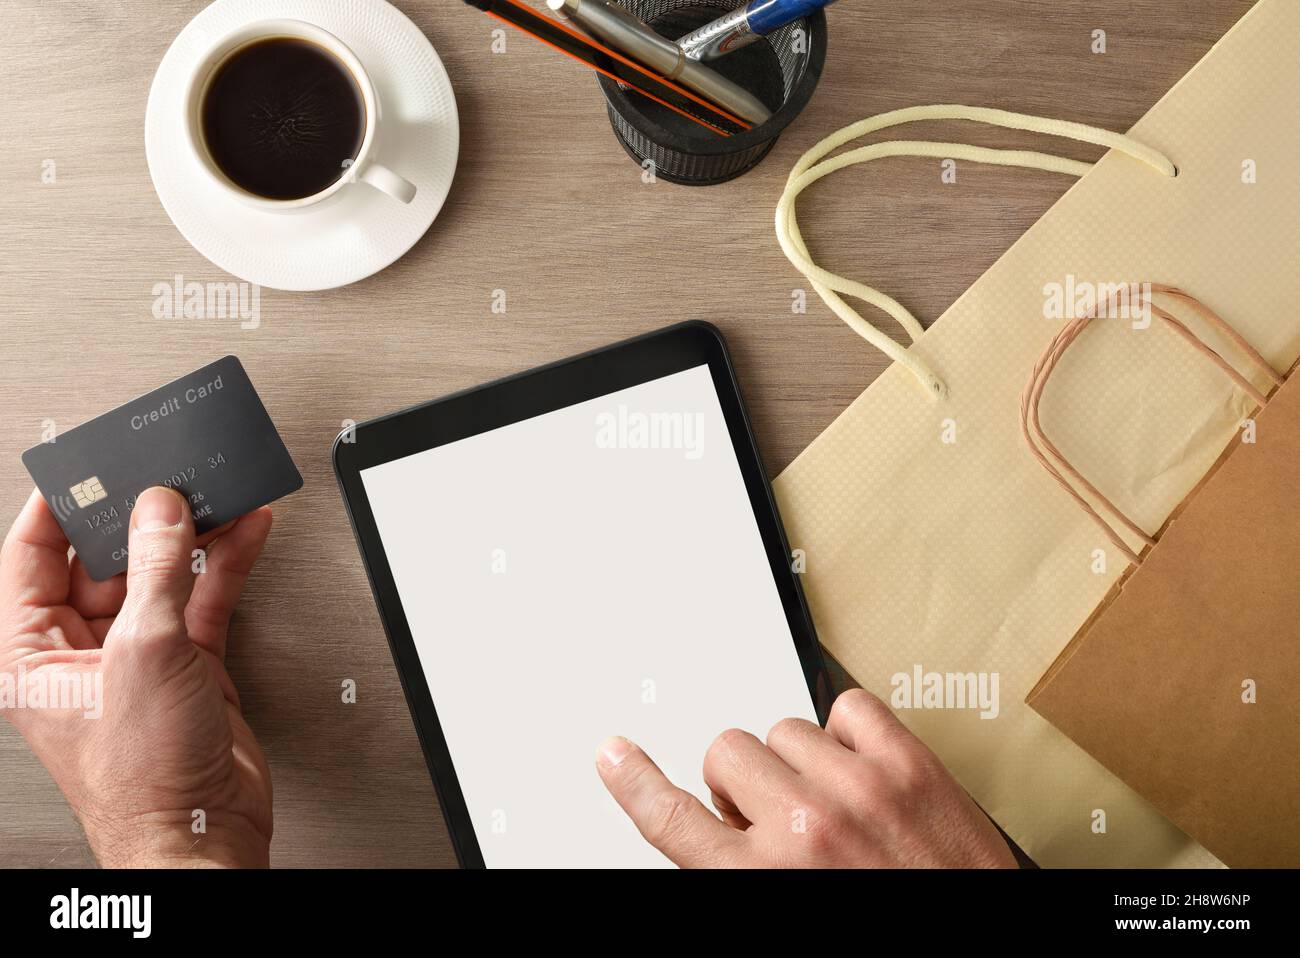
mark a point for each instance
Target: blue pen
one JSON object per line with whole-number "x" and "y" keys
{"x": 744, "y": 25}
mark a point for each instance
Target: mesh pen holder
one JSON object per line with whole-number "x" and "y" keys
{"x": 781, "y": 69}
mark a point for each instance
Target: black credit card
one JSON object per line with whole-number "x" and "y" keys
{"x": 206, "y": 435}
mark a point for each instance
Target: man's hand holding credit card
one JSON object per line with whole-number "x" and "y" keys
{"x": 206, "y": 435}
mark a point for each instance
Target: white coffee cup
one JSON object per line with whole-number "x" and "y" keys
{"x": 365, "y": 168}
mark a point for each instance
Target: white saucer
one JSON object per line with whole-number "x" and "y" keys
{"x": 359, "y": 231}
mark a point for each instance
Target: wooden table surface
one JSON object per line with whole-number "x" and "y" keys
{"x": 546, "y": 206}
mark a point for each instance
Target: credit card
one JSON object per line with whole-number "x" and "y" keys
{"x": 206, "y": 435}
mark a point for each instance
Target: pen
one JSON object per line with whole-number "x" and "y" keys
{"x": 616, "y": 26}
{"x": 744, "y": 25}
{"x": 613, "y": 64}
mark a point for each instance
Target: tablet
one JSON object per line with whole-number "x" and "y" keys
{"x": 583, "y": 550}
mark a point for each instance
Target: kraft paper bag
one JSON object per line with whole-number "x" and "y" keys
{"x": 1186, "y": 680}
{"x": 932, "y": 542}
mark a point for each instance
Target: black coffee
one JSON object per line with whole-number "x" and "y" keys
{"x": 283, "y": 118}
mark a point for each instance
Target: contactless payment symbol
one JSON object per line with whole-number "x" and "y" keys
{"x": 63, "y": 507}
{"x": 88, "y": 492}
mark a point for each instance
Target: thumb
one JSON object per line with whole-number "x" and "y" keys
{"x": 159, "y": 579}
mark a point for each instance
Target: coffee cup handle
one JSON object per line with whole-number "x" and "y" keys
{"x": 385, "y": 180}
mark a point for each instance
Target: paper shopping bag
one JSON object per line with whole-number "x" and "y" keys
{"x": 932, "y": 543}
{"x": 1185, "y": 682}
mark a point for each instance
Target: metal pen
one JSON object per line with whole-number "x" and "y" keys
{"x": 613, "y": 64}
{"x": 744, "y": 25}
{"x": 622, "y": 30}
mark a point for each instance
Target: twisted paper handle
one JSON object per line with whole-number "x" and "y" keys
{"x": 1059, "y": 467}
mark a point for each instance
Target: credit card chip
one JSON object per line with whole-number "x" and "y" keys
{"x": 88, "y": 492}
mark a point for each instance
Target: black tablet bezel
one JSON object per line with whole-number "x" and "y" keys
{"x": 523, "y": 396}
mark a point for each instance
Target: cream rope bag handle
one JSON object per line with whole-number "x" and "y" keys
{"x": 808, "y": 170}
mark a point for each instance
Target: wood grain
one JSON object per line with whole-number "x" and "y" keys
{"x": 549, "y": 208}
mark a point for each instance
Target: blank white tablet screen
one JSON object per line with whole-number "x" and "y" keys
{"x": 593, "y": 571}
